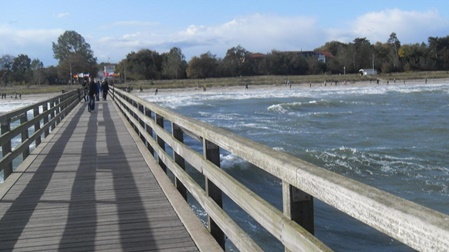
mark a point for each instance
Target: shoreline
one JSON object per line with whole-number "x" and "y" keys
{"x": 293, "y": 86}
{"x": 235, "y": 88}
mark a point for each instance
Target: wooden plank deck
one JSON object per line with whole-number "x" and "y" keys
{"x": 90, "y": 189}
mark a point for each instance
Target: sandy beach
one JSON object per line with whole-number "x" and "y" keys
{"x": 12, "y": 102}
{"x": 293, "y": 86}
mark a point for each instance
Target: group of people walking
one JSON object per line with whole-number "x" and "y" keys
{"x": 92, "y": 92}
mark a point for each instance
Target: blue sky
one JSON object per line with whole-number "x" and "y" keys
{"x": 116, "y": 28}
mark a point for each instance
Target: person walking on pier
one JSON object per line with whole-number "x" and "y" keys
{"x": 93, "y": 91}
{"x": 105, "y": 89}
{"x": 85, "y": 90}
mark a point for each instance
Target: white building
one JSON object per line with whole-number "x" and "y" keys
{"x": 109, "y": 70}
{"x": 364, "y": 72}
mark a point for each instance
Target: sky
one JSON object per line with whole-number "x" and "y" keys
{"x": 114, "y": 29}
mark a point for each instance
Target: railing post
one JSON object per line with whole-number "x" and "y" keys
{"x": 135, "y": 115}
{"x": 58, "y": 111}
{"x": 179, "y": 135}
{"x": 298, "y": 206}
{"x": 37, "y": 125}
{"x": 53, "y": 114}
{"x": 23, "y": 120}
{"x": 62, "y": 106}
{"x": 212, "y": 153}
{"x": 45, "y": 109}
{"x": 142, "y": 124}
{"x": 113, "y": 92}
{"x": 149, "y": 131}
{"x": 6, "y": 148}
{"x": 160, "y": 121}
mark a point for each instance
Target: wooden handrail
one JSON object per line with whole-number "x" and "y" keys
{"x": 414, "y": 225}
{"x": 41, "y": 117}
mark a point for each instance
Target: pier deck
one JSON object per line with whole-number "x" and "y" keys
{"x": 88, "y": 188}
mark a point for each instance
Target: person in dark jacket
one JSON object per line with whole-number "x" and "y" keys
{"x": 93, "y": 91}
{"x": 105, "y": 89}
{"x": 85, "y": 90}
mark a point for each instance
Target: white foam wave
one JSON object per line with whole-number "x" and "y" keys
{"x": 174, "y": 100}
{"x": 279, "y": 149}
{"x": 278, "y": 108}
{"x": 231, "y": 160}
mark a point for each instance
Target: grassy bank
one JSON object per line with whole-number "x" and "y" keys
{"x": 236, "y": 81}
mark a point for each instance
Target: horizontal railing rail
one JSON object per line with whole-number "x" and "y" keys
{"x": 38, "y": 119}
{"x": 414, "y": 225}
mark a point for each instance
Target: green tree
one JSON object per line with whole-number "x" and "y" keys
{"x": 204, "y": 66}
{"x": 394, "y": 45}
{"x": 37, "y": 68}
{"x": 277, "y": 63}
{"x": 74, "y": 55}
{"x": 299, "y": 65}
{"x": 235, "y": 64}
{"x": 439, "y": 53}
{"x": 362, "y": 54}
{"x": 382, "y": 60}
{"x": 342, "y": 62}
{"x": 51, "y": 75}
{"x": 174, "y": 64}
{"x": 143, "y": 65}
{"x": 21, "y": 68}
{"x": 6, "y": 62}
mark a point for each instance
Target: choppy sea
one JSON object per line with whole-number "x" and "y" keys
{"x": 392, "y": 137}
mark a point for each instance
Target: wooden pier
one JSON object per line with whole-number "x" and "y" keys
{"x": 87, "y": 187}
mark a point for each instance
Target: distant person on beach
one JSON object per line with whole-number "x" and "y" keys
{"x": 155, "y": 92}
{"x": 93, "y": 92}
{"x": 105, "y": 89}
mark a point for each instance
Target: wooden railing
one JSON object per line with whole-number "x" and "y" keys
{"x": 38, "y": 119}
{"x": 160, "y": 128}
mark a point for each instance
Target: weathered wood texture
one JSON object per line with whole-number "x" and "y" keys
{"x": 88, "y": 190}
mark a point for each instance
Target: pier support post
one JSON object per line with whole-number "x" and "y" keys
{"x": 24, "y": 136}
{"x": 298, "y": 206}
{"x": 212, "y": 153}
{"x": 149, "y": 131}
{"x": 160, "y": 121}
{"x": 46, "y": 120}
{"x": 37, "y": 126}
{"x": 6, "y": 149}
{"x": 179, "y": 135}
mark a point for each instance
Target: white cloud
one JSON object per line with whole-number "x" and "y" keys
{"x": 34, "y": 43}
{"x": 134, "y": 23}
{"x": 256, "y": 33}
{"x": 410, "y": 26}
{"x": 263, "y": 33}
{"x": 62, "y": 15}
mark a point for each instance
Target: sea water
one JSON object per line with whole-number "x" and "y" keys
{"x": 392, "y": 137}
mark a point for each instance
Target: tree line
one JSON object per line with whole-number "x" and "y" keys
{"x": 74, "y": 55}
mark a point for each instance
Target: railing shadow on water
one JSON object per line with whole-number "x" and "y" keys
{"x": 179, "y": 143}
{"x": 23, "y": 129}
